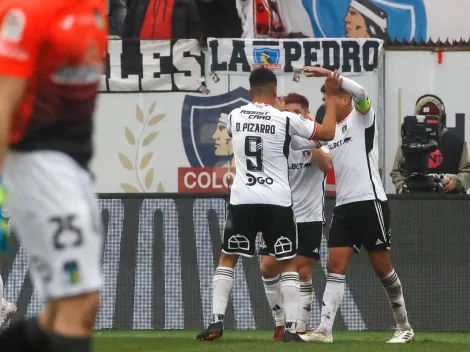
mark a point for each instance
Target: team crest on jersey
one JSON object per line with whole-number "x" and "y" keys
{"x": 306, "y": 154}
{"x": 344, "y": 129}
{"x": 206, "y": 141}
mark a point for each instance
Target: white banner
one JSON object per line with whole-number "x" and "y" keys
{"x": 174, "y": 142}
{"x": 241, "y": 56}
{"x": 153, "y": 66}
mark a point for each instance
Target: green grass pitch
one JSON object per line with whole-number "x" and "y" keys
{"x": 260, "y": 341}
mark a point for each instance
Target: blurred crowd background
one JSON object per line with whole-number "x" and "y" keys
{"x": 402, "y": 20}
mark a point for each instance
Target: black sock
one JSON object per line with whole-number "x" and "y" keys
{"x": 59, "y": 343}
{"x": 24, "y": 336}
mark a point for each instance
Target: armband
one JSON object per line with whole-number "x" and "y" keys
{"x": 363, "y": 106}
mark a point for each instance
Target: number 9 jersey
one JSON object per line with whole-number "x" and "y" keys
{"x": 261, "y": 137}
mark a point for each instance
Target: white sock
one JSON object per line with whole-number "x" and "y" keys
{"x": 290, "y": 293}
{"x": 272, "y": 288}
{"x": 222, "y": 284}
{"x": 305, "y": 306}
{"x": 334, "y": 292}
{"x": 394, "y": 290}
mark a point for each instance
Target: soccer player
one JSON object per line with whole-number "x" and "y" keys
{"x": 307, "y": 170}
{"x": 51, "y": 62}
{"x": 261, "y": 198}
{"x": 361, "y": 216}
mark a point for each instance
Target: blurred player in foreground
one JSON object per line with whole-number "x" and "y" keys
{"x": 361, "y": 216}
{"x": 307, "y": 170}
{"x": 51, "y": 61}
{"x": 261, "y": 198}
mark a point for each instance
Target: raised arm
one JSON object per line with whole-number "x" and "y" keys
{"x": 358, "y": 93}
{"x": 326, "y": 130}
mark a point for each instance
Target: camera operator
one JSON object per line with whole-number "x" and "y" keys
{"x": 450, "y": 162}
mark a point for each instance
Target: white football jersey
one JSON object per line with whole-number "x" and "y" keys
{"x": 261, "y": 137}
{"x": 355, "y": 155}
{"x": 307, "y": 182}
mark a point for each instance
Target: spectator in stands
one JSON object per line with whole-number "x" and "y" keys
{"x": 450, "y": 162}
{"x": 162, "y": 19}
{"x": 219, "y": 19}
{"x": 116, "y": 13}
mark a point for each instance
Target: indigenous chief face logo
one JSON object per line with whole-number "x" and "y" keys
{"x": 382, "y": 19}
{"x": 222, "y": 140}
{"x": 266, "y": 57}
{"x": 207, "y": 142}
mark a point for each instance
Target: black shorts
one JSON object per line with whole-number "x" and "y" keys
{"x": 309, "y": 238}
{"x": 245, "y": 221}
{"x": 364, "y": 223}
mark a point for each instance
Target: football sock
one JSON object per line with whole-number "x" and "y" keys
{"x": 272, "y": 288}
{"x": 24, "y": 336}
{"x": 394, "y": 290}
{"x": 305, "y": 306}
{"x": 222, "y": 284}
{"x": 59, "y": 343}
{"x": 334, "y": 292}
{"x": 290, "y": 293}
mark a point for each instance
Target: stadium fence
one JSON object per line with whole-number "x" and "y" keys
{"x": 161, "y": 251}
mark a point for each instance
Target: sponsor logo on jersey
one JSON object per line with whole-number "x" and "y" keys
{"x": 207, "y": 143}
{"x": 252, "y": 180}
{"x": 339, "y": 143}
{"x": 267, "y": 57}
{"x": 300, "y": 166}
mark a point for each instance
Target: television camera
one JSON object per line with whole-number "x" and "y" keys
{"x": 420, "y": 137}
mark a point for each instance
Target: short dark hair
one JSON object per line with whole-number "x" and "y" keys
{"x": 294, "y": 98}
{"x": 322, "y": 89}
{"x": 262, "y": 79}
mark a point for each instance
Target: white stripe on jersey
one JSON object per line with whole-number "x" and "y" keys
{"x": 261, "y": 137}
{"x": 307, "y": 184}
{"x": 380, "y": 216}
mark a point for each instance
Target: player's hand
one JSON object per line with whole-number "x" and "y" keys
{"x": 312, "y": 71}
{"x": 333, "y": 83}
{"x": 449, "y": 185}
{"x": 3, "y": 222}
{"x": 280, "y": 104}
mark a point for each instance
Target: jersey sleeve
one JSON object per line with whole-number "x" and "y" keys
{"x": 299, "y": 143}
{"x": 367, "y": 112}
{"x": 21, "y": 33}
{"x": 301, "y": 127}
{"x": 325, "y": 149}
